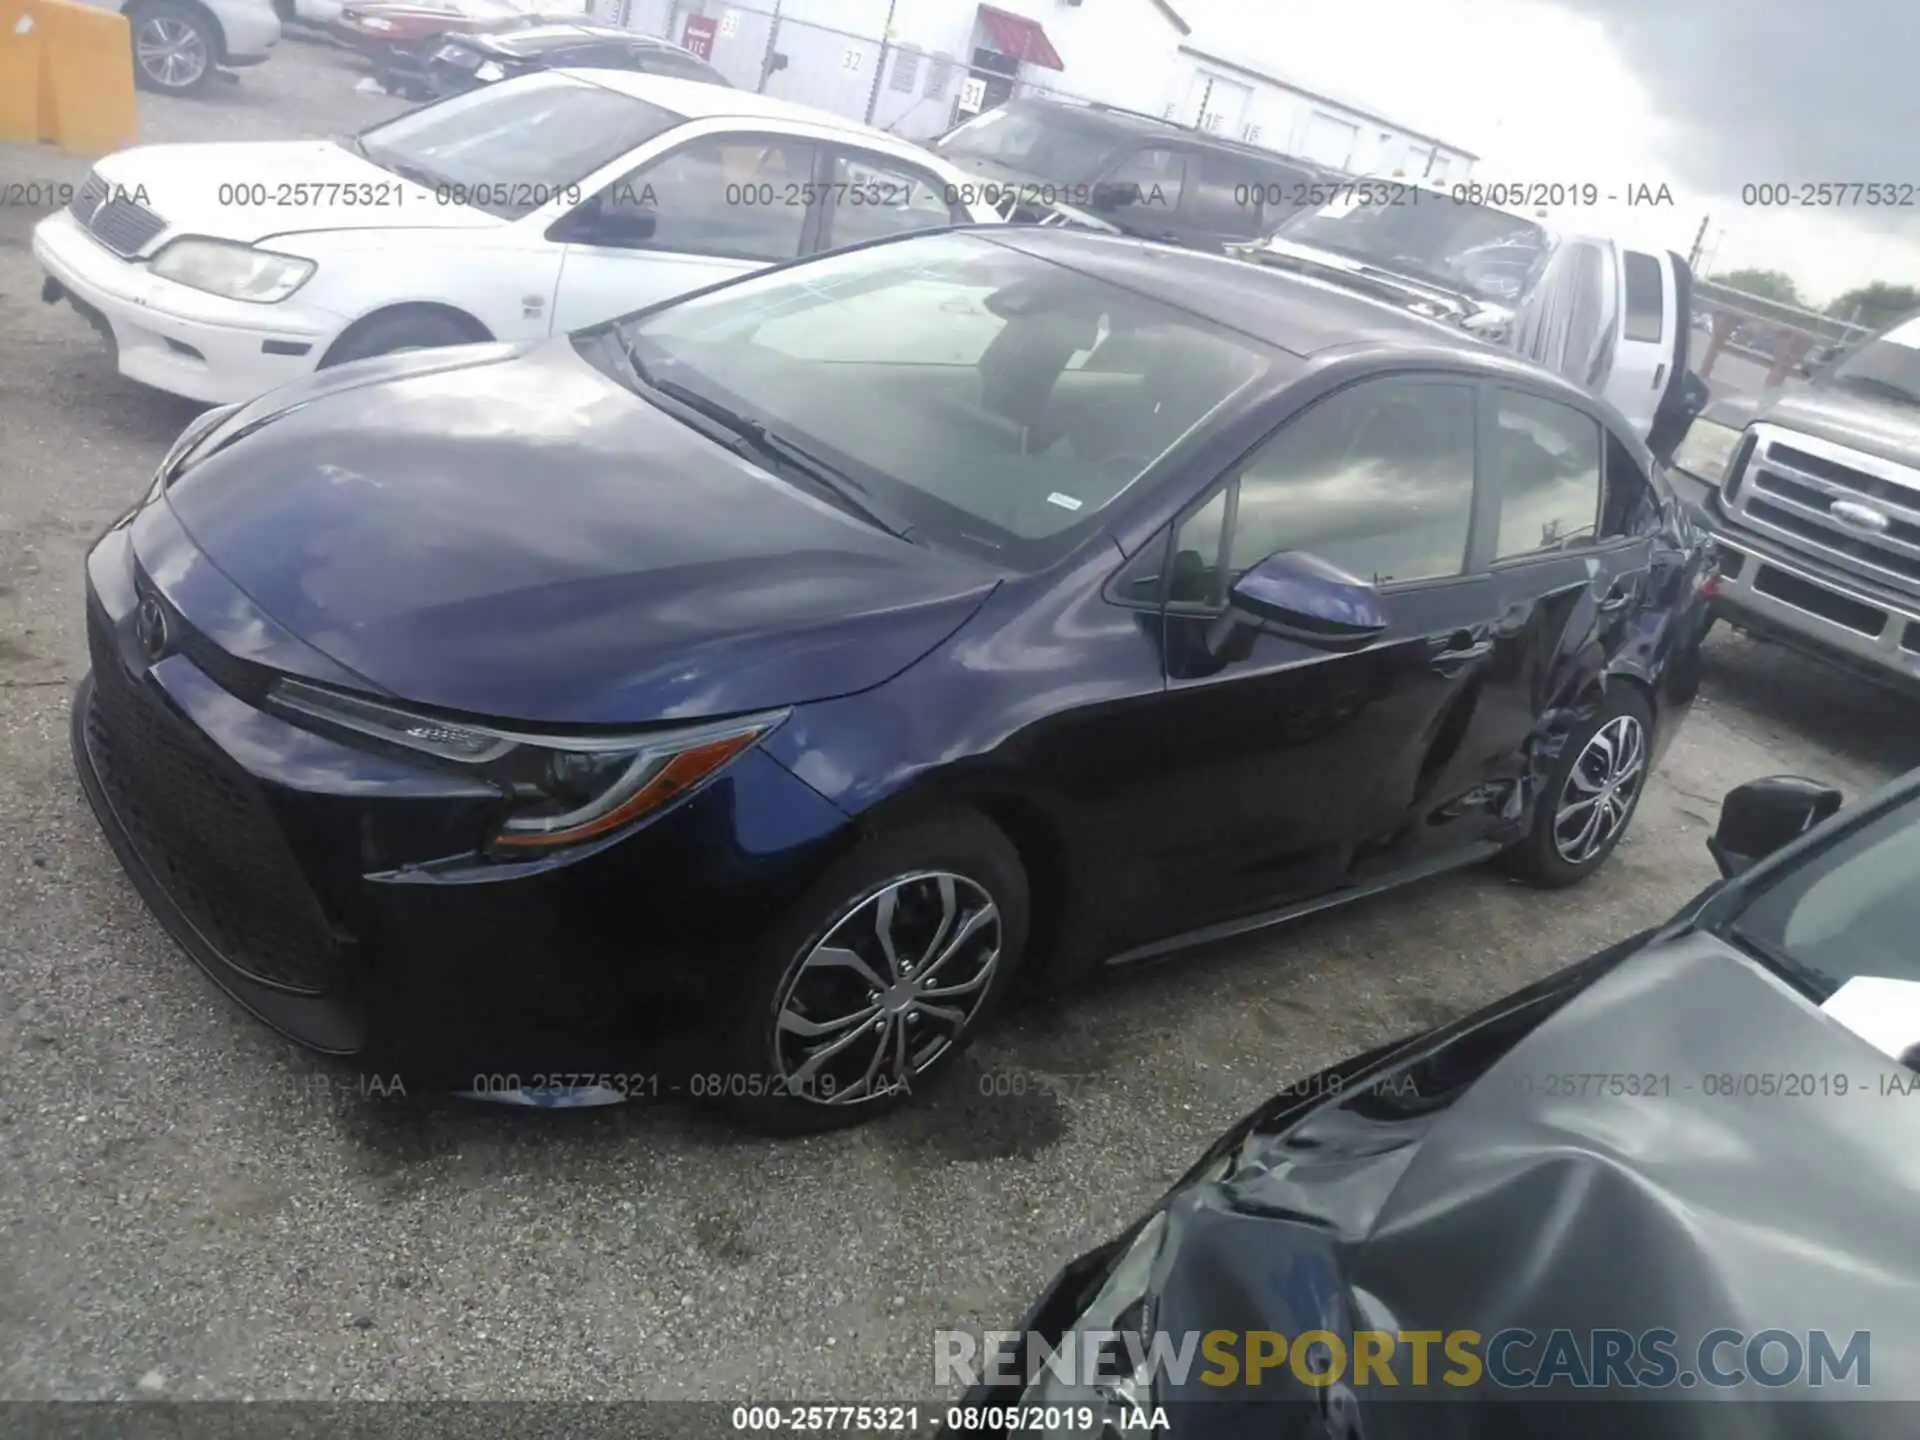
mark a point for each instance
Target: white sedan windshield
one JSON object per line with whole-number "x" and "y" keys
{"x": 512, "y": 147}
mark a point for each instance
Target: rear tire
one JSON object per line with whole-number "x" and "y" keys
{"x": 391, "y": 334}
{"x": 176, "y": 47}
{"x": 876, "y": 979}
{"x": 1590, "y": 795}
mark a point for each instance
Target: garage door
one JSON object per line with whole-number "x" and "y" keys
{"x": 1330, "y": 141}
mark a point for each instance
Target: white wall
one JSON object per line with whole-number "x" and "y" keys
{"x": 1121, "y": 52}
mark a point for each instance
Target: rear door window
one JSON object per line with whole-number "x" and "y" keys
{"x": 1225, "y": 196}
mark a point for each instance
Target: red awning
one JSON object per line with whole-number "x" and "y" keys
{"x": 1019, "y": 38}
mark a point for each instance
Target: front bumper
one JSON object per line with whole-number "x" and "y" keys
{"x": 251, "y": 31}
{"x": 336, "y": 893}
{"x": 174, "y": 337}
{"x": 1803, "y": 601}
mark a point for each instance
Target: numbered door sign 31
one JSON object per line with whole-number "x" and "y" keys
{"x": 973, "y": 94}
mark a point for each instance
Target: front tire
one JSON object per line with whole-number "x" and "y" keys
{"x": 175, "y": 47}
{"x": 877, "y": 979}
{"x": 1590, "y": 795}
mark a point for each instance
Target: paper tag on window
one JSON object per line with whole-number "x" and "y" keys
{"x": 1883, "y": 1012}
{"x": 1065, "y": 502}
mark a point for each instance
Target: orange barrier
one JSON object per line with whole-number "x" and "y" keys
{"x": 66, "y": 76}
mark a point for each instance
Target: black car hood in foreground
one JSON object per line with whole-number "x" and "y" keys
{"x": 506, "y": 531}
{"x": 1509, "y": 1180}
{"x": 1829, "y": 412}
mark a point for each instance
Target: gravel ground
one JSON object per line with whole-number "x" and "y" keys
{"x": 186, "y": 1216}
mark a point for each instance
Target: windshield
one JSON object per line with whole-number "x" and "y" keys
{"x": 515, "y": 145}
{"x": 1034, "y": 142}
{"x": 994, "y": 401}
{"x": 1848, "y": 912}
{"x": 1466, "y": 248}
{"x": 1887, "y": 366}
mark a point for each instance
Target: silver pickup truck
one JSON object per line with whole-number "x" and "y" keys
{"x": 1814, "y": 497}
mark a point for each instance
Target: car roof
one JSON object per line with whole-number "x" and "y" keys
{"x": 558, "y": 33}
{"x": 1296, "y": 313}
{"x": 1134, "y": 123}
{"x": 698, "y": 100}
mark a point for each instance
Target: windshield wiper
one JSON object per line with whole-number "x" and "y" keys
{"x": 846, "y": 491}
{"x": 1817, "y": 984}
{"x": 1872, "y": 385}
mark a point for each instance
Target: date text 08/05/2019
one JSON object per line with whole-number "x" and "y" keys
{"x": 967, "y": 1419}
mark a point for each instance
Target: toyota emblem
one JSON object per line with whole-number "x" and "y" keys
{"x": 150, "y": 626}
{"x": 1863, "y": 518}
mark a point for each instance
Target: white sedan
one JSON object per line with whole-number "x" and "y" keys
{"x": 519, "y": 210}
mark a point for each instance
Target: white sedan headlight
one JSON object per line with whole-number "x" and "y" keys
{"x": 376, "y": 22}
{"x": 489, "y": 71}
{"x": 239, "y": 272}
{"x": 1707, "y": 450}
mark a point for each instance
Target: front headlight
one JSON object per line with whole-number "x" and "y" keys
{"x": 562, "y": 790}
{"x": 239, "y": 272}
{"x": 375, "y": 22}
{"x": 1122, "y": 1315}
{"x": 1707, "y": 450}
{"x": 489, "y": 71}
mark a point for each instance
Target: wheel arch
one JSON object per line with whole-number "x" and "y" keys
{"x": 477, "y": 332}
{"x": 1038, "y": 836}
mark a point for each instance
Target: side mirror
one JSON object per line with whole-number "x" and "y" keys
{"x": 1111, "y": 195}
{"x": 1763, "y": 816}
{"x": 1302, "y": 597}
{"x": 600, "y": 223}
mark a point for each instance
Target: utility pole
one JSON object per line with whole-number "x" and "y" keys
{"x": 880, "y": 61}
{"x": 1699, "y": 243}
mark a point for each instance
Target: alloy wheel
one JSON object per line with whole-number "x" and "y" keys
{"x": 887, "y": 990}
{"x": 1600, "y": 790}
{"x": 171, "y": 52}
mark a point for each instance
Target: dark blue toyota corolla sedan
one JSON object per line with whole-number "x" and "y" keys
{"x": 740, "y": 697}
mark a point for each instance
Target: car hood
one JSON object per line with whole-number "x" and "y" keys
{"x": 1597, "y": 1156}
{"x": 506, "y": 531}
{"x": 1421, "y": 296}
{"x": 303, "y": 185}
{"x": 1880, "y": 427}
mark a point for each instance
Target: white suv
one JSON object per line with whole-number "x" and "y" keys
{"x": 178, "y": 44}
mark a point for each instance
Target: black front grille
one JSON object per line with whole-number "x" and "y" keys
{"x": 121, "y": 223}
{"x": 205, "y": 832}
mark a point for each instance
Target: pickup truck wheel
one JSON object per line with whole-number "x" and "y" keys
{"x": 174, "y": 46}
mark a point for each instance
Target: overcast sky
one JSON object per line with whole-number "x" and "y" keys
{"x": 1703, "y": 95}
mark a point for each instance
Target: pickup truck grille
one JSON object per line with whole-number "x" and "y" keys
{"x": 1852, "y": 509}
{"x": 112, "y": 217}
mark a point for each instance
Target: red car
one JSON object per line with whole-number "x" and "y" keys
{"x": 377, "y": 28}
